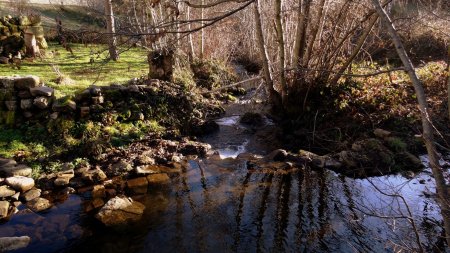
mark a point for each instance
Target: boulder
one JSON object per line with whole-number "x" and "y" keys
{"x": 367, "y": 157}
{"x": 6, "y": 191}
{"x": 15, "y": 170}
{"x": 41, "y": 102}
{"x": 145, "y": 160}
{"x": 98, "y": 100}
{"x": 66, "y": 106}
{"x": 13, "y": 243}
{"x": 138, "y": 185}
{"x": 4, "y": 60}
{"x": 200, "y": 149}
{"x": 7, "y": 162}
{"x": 158, "y": 179}
{"x": 42, "y": 91}
{"x": 252, "y": 119}
{"x": 94, "y": 176}
{"x": 4, "y": 208}
{"x": 97, "y": 203}
{"x": 24, "y": 94}
{"x": 31, "y": 194}
{"x": 277, "y": 155}
{"x": 95, "y": 90}
{"x": 98, "y": 191}
{"x": 20, "y": 183}
{"x": 120, "y": 211}
{"x": 122, "y": 166}
{"x": 63, "y": 180}
{"x": 26, "y": 82}
{"x": 84, "y": 111}
{"x": 381, "y": 133}
{"x": 39, "y": 204}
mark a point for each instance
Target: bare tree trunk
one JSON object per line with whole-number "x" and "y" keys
{"x": 314, "y": 31}
{"x": 111, "y": 31}
{"x": 280, "y": 39}
{"x": 300, "y": 37}
{"x": 441, "y": 187}
{"x": 202, "y": 31}
{"x": 448, "y": 81}
{"x": 274, "y": 97}
{"x": 359, "y": 45}
{"x": 190, "y": 42}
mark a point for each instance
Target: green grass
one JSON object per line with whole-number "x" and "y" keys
{"x": 132, "y": 63}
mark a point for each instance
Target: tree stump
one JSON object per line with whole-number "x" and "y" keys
{"x": 161, "y": 64}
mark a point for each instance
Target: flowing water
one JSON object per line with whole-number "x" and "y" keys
{"x": 219, "y": 204}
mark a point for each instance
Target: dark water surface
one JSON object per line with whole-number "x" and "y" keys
{"x": 221, "y": 205}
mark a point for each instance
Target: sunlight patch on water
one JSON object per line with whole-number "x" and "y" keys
{"x": 228, "y": 121}
{"x": 232, "y": 151}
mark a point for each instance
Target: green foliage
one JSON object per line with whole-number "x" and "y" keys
{"x": 184, "y": 77}
{"x": 212, "y": 73}
{"x": 396, "y": 144}
{"x": 389, "y": 95}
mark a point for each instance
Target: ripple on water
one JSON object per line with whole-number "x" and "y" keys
{"x": 228, "y": 121}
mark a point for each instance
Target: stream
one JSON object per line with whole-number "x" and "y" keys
{"x": 219, "y": 204}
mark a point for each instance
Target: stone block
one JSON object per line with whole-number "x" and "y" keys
{"x": 26, "y": 82}
{"x": 26, "y": 104}
{"x": 98, "y": 100}
{"x": 84, "y": 111}
{"x": 138, "y": 185}
{"x": 41, "y": 102}
{"x": 24, "y": 94}
{"x": 42, "y": 91}
{"x": 67, "y": 106}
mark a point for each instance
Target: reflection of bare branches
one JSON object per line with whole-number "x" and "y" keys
{"x": 397, "y": 199}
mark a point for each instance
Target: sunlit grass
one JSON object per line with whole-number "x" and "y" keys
{"x": 88, "y": 65}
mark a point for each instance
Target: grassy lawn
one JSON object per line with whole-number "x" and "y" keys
{"x": 132, "y": 63}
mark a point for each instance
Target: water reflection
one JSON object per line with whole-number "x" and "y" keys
{"x": 226, "y": 209}
{"x": 219, "y": 205}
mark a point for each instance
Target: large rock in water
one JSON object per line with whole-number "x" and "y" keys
{"x": 13, "y": 243}
{"x": 13, "y": 170}
{"x": 39, "y": 204}
{"x": 4, "y": 208}
{"x": 20, "y": 183}
{"x": 120, "y": 211}
{"x": 6, "y": 191}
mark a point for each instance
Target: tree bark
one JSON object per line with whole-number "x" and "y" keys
{"x": 111, "y": 31}
{"x": 441, "y": 187}
{"x": 300, "y": 36}
{"x": 313, "y": 34}
{"x": 448, "y": 81}
{"x": 190, "y": 42}
{"x": 202, "y": 32}
{"x": 274, "y": 97}
{"x": 280, "y": 39}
